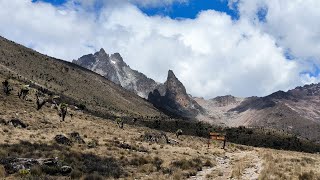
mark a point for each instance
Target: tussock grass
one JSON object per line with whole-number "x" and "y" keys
{"x": 289, "y": 165}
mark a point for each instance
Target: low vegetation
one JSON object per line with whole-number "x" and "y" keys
{"x": 82, "y": 163}
{"x": 279, "y": 165}
{"x": 145, "y": 148}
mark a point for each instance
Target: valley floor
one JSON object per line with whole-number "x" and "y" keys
{"x": 111, "y": 152}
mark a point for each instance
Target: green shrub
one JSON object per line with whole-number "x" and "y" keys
{"x": 24, "y": 172}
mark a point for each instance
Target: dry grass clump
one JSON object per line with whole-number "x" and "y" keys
{"x": 185, "y": 164}
{"x": 147, "y": 164}
{"x": 290, "y": 165}
{"x": 2, "y": 172}
{"x": 188, "y": 167}
{"x": 214, "y": 174}
{"x": 308, "y": 176}
{"x": 208, "y": 163}
{"x": 239, "y": 166}
{"x": 139, "y": 161}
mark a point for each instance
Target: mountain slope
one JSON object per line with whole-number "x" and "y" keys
{"x": 296, "y": 111}
{"x": 78, "y": 84}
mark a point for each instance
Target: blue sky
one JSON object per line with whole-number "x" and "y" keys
{"x": 178, "y": 10}
{"x": 191, "y": 9}
{"x": 53, "y": 2}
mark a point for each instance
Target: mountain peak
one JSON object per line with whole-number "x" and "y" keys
{"x": 171, "y": 75}
{"x": 116, "y": 70}
{"x": 175, "y": 100}
{"x": 117, "y": 56}
{"x": 102, "y": 51}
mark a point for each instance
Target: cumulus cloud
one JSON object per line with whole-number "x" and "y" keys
{"x": 294, "y": 23}
{"x": 211, "y": 54}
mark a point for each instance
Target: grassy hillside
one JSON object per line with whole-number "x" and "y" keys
{"x": 73, "y": 82}
{"x": 109, "y": 152}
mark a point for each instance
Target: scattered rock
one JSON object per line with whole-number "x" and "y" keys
{"x": 61, "y": 139}
{"x": 93, "y": 144}
{"x": 3, "y": 122}
{"x": 13, "y": 165}
{"x": 173, "y": 141}
{"x": 65, "y": 170}
{"x": 17, "y": 123}
{"x": 51, "y": 162}
{"x": 155, "y": 137}
{"x": 125, "y": 146}
{"x": 75, "y": 137}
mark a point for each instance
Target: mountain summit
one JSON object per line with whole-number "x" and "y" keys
{"x": 175, "y": 98}
{"x": 116, "y": 70}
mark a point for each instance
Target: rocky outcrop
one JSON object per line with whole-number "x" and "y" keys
{"x": 17, "y": 123}
{"x": 224, "y": 100}
{"x": 74, "y": 137}
{"x": 13, "y": 165}
{"x": 61, "y": 139}
{"x": 116, "y": 70}
{"x": 175, "y": 99}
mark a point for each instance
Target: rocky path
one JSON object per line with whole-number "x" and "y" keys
{"x": 224, "y": 167}
{"x": 253, "y": 171}
{"x": 202, "y": 175}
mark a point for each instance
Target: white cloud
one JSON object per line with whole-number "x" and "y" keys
{"x": 294, "y": 23}
{"x": 212, "y": 54}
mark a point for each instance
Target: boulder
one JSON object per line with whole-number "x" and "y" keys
{"x": 17, "y": 123}
{"x": 61, "y": 139}
{"x": 3, "y": 122}
{"x": 65, "y": 170}
{"x": 124, "y": 145}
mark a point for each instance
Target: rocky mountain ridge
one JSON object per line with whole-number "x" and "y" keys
{"x": 175, "y": 99}
{"x": 295, "y": 111}
{"x": 170, "y": 96}
{"x": 116, "y": 70}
